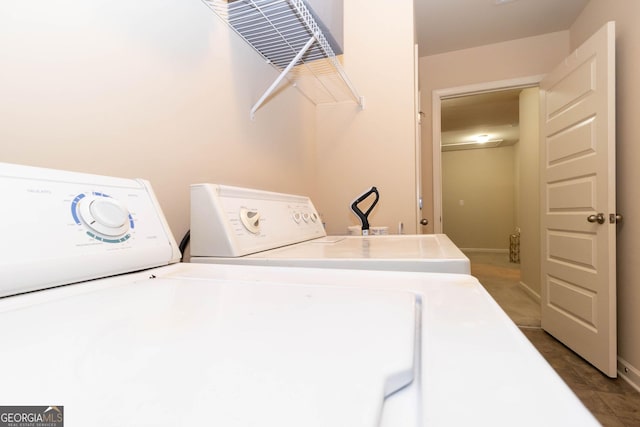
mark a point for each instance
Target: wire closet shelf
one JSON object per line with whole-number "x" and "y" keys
{"x": 286, "y": 34}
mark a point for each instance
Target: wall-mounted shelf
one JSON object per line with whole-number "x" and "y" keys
{"x": 286, "y": 34}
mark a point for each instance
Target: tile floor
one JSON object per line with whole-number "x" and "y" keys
{"x": 612, "y": 401}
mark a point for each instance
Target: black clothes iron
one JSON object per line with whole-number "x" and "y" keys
{"x": 364, "y": 217}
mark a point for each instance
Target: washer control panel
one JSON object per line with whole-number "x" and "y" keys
{"x": 62, "y": 227}
{"x": 231, "y": 221}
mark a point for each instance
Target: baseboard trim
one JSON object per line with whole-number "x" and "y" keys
{"x": 626, "y": 370}
{"x": 533, "y": 294}
{"x": 629, "y": 373}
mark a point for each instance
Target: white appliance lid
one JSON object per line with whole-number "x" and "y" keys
{"x": 162, "y": 352}
{"x": 477, "y": 368}
{"x": 424, "y": 252}
{"x": 417, "y": 247}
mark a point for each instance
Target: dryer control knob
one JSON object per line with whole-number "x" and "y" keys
{"x": 250, "y": 219}
{"x": 105, "y": 215}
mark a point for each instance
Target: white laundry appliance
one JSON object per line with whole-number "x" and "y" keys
{"x": 234, "y": 225}
{"x": 99, "y": 323}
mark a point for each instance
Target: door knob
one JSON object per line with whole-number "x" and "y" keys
{"x": 599, "y": 218}
{"x": 615, "y": 218}
{"x": 424, "y": 221}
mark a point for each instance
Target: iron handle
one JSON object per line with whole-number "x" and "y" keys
{"x": 424, "y": 221}
{"x": 364, "y": 216}
{"x": 599, "y": 218}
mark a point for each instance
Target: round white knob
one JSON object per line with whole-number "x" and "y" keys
{"x": 109, "y": 212}
{"x": 104, "y": 215}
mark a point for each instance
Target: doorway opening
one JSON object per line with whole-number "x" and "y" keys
{"x": 526, "y": 193}
{"x": 436, "y": 110}
{"x": 479, "y": 143}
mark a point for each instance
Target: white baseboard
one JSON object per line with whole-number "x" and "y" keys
{"x": 626, "y": 371}
{"x": 533, "y": 294}
{"x": 629, "y": 373}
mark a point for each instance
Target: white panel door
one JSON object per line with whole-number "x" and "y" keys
{"x": 578, "y": 201}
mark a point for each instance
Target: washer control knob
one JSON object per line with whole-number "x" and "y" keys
{"x": 297, "y": 217}
{"x": 105, "y": 215}
{"x": 250, "y": 219}
{"x": 306, "y": 216}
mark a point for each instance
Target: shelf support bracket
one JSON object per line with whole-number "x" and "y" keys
{"x": 282, "y": 75}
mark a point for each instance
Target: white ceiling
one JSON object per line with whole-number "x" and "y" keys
{"x": 446, "y": 25}
{"x": 495, "y": 114}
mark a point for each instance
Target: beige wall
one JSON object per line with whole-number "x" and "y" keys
{"x": 375, "y": 146}
{"x": 159, "y": 90}
{"x": 526, "y": 57}
{"x": 163, "y": 91}
{"x": 625, "y": 13}
{"x": 528, "y": 218}
{"x": 478, "y": 197}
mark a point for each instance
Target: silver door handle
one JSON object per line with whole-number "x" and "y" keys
{"x": 599, "y": 218}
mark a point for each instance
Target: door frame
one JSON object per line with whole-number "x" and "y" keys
{"x": 436, "y": 104}
{"x": 418, "y": 139}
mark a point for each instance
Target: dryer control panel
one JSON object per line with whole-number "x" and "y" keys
{"x": 231, "y": 221}
{"x": 74, "y": 227}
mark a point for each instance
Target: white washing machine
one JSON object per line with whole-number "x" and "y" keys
{"x": 100, "y": 323}
{"x": 234, "y": 225}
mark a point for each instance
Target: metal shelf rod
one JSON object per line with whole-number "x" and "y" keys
{"x": 282, "y": 75}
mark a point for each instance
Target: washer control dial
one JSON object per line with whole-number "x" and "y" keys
{"x": 105, "y": 215}
{"x": 297, "y": 216}
{"x": 250, "y": 219}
